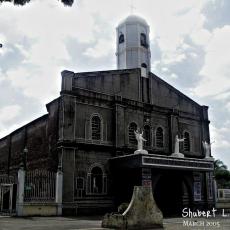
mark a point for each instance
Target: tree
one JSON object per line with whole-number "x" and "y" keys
{"x": 219, "y": 165}
{"x": 222, "y": 174}
{"x": 23, "y": 2}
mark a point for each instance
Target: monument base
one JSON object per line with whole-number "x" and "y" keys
{"x": 141, "y": 151}
{"x": 209, "y": 158}
{"x": 142, "y": 212}
{"x": 179, "y": 155}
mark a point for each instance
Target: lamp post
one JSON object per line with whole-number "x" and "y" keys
{"x": 24, "y": 158}
{"x": 25, "y": 152}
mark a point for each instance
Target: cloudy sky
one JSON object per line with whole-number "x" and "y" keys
{"x": 190, "y": 45}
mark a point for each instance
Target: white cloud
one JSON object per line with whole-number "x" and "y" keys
{"x": 37, "y": 83}
{"x": 223, "y": 96}
{"x": 221, "y": 145}
{"x": 174, "y": 76}
{"x": 215, "y": 72}
{"x": 10, "y": 112}
{"x": 102, "y": 48}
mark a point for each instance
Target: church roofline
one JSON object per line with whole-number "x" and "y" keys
{"x": 53, "y": 101}
{"x": 112, "y": 70}
{"x": 176, "y": 90}
{"x": 24, "y": 126}
{"x": 123, "y": 71}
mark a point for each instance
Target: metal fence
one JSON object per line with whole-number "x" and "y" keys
{"x": 40, "y": 186}
{"x": 223, "y": 194}
{"x": 5, "y": 179}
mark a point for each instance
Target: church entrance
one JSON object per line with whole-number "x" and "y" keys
{"x": 171, "y": 193}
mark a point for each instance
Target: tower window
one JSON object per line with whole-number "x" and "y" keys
{"x": 121, "y": 38}
{"x": 143, "y": 40}
{"x": 143, "y": 65}
{"x": 186, "y": 142}
{"x": 132, "y": 138}
{"x": 159, "y": 138}
{"x": 96, "y": 128}
{"x": 147, "y": 135}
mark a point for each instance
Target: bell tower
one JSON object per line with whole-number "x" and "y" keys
{"x": 133, "y": 44}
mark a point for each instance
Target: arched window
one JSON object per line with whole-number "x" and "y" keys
{"x": 186, "y": 142}
{"x": 132, "y": 128}
{"x": 96, "y": 181}
{"x": 143, "y": 40}
{"x": 159, "y": 138}
{"x": 96, "y": 127}
{"x": 147, "y": 135}
{"x": 143, "y": 65}
{"x": 121, "y": 38}
{"x": 79, "y": 186}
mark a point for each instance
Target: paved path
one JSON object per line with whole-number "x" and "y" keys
{"x": 94, "y": 223}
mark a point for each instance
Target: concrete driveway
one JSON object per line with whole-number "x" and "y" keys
{"x": 94, "y": 223}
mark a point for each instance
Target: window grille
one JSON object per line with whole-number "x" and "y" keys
{"x": 159, "y": 138}
{"x": 132, "y": 138}
{"x": 147, "y": 135}
{"x": 96, "y": 128}
{"x": 186, "y": 141}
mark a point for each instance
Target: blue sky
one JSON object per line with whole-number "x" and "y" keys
{"x": 190, "y": 47}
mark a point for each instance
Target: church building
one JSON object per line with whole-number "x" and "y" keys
{"x": 88, "y": 133}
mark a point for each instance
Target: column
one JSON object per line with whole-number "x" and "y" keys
{"x": 58, "y": 192}
{"x": 20, "y": 192}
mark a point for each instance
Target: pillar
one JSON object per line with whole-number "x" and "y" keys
{"x": 58, "y": 192}
{"x": 20, "y": 192}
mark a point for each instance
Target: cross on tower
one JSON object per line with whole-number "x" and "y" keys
{"x": 132, "y": 7}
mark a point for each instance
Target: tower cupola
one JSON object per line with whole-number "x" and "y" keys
{"x": 133, "y": 44}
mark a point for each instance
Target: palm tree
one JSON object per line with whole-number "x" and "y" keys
{"x": 23, "y": 2}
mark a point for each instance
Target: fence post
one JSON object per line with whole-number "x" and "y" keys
{"x": 58, "y": 192}
{"x": 20, "y": 192}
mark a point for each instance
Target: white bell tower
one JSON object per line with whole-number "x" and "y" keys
{"x": 133, "y": 45}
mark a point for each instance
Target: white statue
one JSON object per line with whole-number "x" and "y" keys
{"x": 207, "y": 148}
{"x": 177, "y": 144}
{"x": 95, "y": 188}
{"x": 140, "y": 139}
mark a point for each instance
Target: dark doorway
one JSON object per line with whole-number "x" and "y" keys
{"x": 8, "y": 196}
{"x": 169, "y": 194}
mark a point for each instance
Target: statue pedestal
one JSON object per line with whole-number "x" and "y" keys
{"x": 141, "y": 151}
{"x": 179, "y": 155}
{"x": 142, "y": 212}
{"x": 209, "y": 158}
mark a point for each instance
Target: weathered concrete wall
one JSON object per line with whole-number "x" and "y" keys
{"x": 39, "y": 209}
{"x": 124, "y": 82}
{"x": 163, "y": 94}
{"x": 4, "y": 154}
{"x": 129, "y": 84}
{"x": 39, "y": 136}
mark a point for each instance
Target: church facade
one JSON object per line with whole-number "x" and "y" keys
{"x": 88, "y": 133}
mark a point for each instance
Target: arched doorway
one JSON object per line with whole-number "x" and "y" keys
{"x": 172, "y": 194}
{"x": 97, "y": 180}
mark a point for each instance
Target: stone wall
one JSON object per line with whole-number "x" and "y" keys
{"x": 40, "y": 138}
